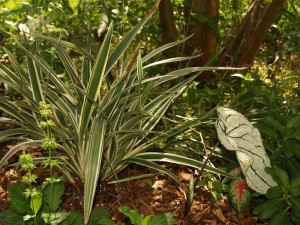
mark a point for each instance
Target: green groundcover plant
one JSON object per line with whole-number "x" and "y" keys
{"x": 99, "y": 132}
{"x": 281, "y": 187}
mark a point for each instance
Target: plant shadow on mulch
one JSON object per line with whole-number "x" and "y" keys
{"x": 153, "y": 195}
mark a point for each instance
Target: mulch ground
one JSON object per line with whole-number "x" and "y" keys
{"x": 153, "y": 195}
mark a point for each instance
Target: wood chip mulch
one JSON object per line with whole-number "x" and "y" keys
{"x": 153, "y": 195}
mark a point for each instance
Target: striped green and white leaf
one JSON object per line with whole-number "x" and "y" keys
{"x": 237, "y": 134}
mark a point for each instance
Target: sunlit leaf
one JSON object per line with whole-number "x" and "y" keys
{"x": 237, "y": 134}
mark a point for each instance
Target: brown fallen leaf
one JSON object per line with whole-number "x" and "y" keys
{"x": 218, "y": 212}
{"x": 196, "y": 218}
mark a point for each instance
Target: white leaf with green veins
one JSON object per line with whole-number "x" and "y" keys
{"x": 236, "y": 133}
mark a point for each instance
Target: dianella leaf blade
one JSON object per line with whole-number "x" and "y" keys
{"x": 46, "y": 68}
{"x": 181, "y": 160}
{"x": 149, "y": 164}
{"x": 94, "y": 154}
{"x": 116, "y": 54}
{"x": 18, "y": 69}
{"x": 34, "y": 78}
{"x": 66, "y": 44}
{"x": 17, "y": 148}
{"x": 95, "y": 82}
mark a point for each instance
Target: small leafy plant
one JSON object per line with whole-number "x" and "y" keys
{"x": 281, "y": 188}
{"x": 283, "y": 201}
{"x": 137, "y": 219}
{"x": 102, "y": 217}
{"x": 282, "y": 140}
{"x": 37, "y": 205}
{"x": 238, "y": 190}
{"x": 236, "y": 133}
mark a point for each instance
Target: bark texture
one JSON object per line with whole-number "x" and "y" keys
{"x": 242, "y": 46}
{"x": 167, "y": 22}
{"x": 202, "y": 23}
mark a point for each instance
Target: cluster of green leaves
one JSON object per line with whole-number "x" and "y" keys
{"x": 41, "y": 207}
{"x": 283, "y": 201}
{"x": 137, "y": 219}
{"x": 30, "y": 204}
{"x": 101, "y": 216}
{"x": 281, "y": 138}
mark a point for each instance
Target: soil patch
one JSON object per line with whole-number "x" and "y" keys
{"x": 152, "y": 195}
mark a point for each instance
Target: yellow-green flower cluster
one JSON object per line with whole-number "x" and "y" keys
{"x": 49, "y": 143}
{"x": 50, "y": 162}
{"x": 26, "y": 162}
{"x": 48, "y": 123}
{"x": 32, "y": 192}
{"x": 46, "y": 110}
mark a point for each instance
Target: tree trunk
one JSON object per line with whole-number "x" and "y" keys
{"x": 202, "y": 23}
{"x": 167, "y": 23}
{"x": 242, "y": 46}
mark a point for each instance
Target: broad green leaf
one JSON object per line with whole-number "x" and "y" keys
{"x": 270, "y": 121}
{"x": 9, "y": 217}
{"x": 162, "y": 219}
{"x": 18, "y": 202}
{"x": 270, "y": 208}
{"x": 97, "y": 215}
{"x": 295, "y": 218}
{"x": 239, "y": 194}
{"x": 52, "y": 196}
{"x": 106, "y": 221}
{"x": 36, "y": 203}
{"x": 266, "y": 130}
{"x": 275, "y": 192}
{"x": 294, "y": 166}
{"x": 73, "y": 218}
{"x": 279, "y": 219}
{"x": 146, "y": 220}
{"x": 291, "y": 147}
{"x": 281, "y": 177}
{"x": 135, "y": 217}
{"x": 295, "y": 187}
{"x": 295, "y": 202}
{"x": 293, "y": 121}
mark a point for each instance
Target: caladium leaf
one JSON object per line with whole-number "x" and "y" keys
{"x": 239, "y": 194}
{"x": 236, "y": 172}
{"x": 236, "y": 133}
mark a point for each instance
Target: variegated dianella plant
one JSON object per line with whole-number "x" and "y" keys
{"x": 99, "y": 132}
{"x": 237, "y": 134}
